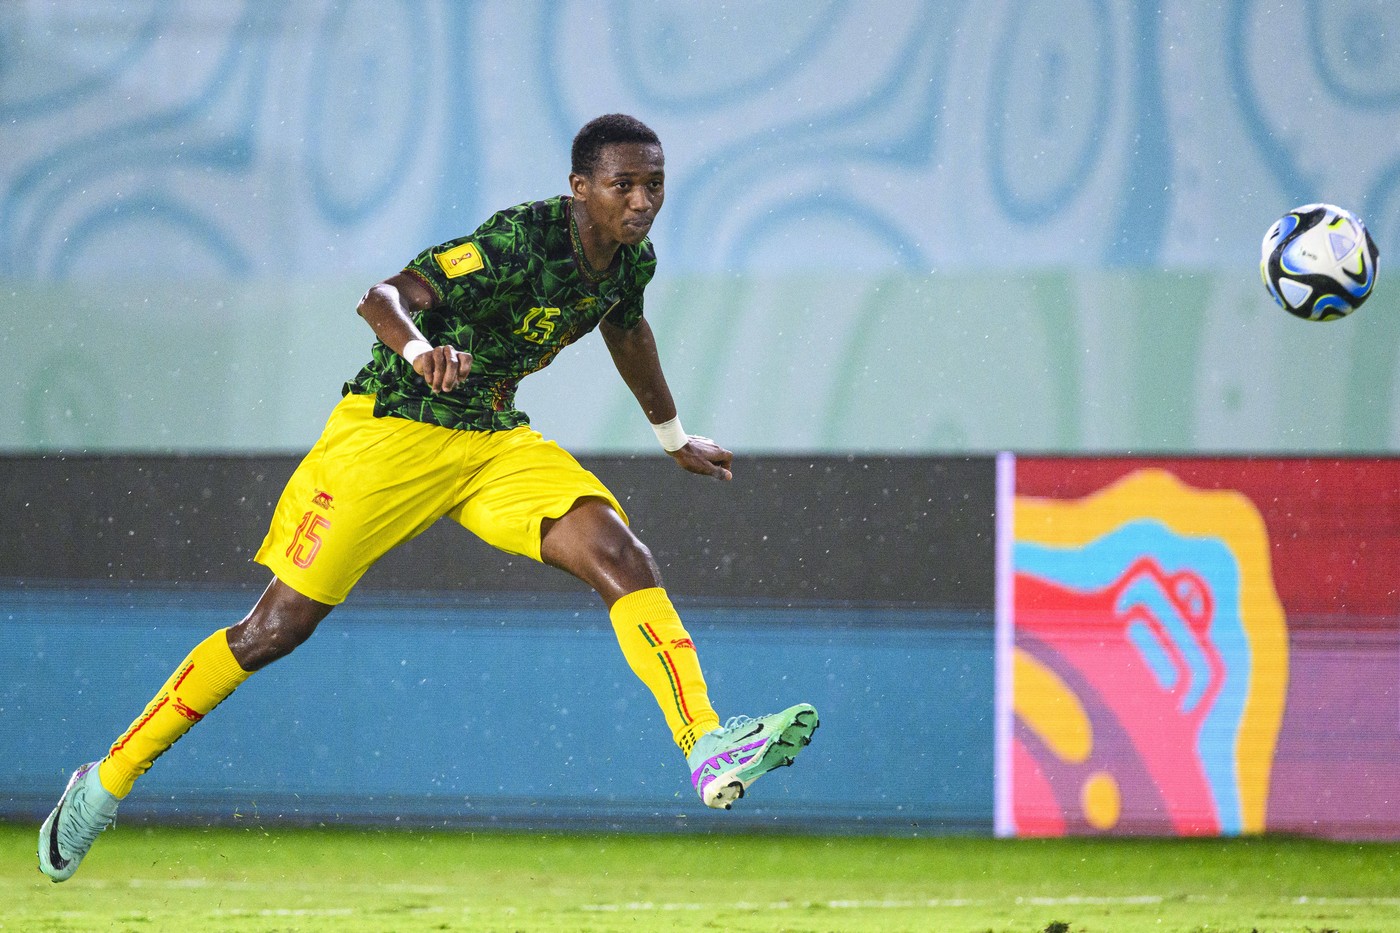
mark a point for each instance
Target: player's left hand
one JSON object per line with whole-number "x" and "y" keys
{"x": 705, "y": 457}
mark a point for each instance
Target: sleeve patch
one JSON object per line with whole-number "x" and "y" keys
{"x": 459, "y": 260}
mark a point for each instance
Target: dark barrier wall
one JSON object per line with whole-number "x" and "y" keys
{"x": 851, "y": 529}
{"x": 462, "y": 687}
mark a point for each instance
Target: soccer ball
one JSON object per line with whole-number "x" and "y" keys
{"x": 1319, "y": 262}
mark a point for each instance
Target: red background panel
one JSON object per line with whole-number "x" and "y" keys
{"x": 1334, "y": 524}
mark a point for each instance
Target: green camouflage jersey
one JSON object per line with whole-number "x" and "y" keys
{"x": 513, "y": 294}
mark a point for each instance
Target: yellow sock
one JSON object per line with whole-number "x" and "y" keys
{"x": 202, "y": 681}
{"x": 660, "y": 652}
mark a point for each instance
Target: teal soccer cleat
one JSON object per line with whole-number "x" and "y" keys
{"x": 85, "y": 809}
{"x": 726, "y": 761}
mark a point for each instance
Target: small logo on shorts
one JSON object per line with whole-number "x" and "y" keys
{"x": 678, "y": 643}
{"x": 322, "y": 499}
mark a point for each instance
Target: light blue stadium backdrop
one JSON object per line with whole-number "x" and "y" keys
{"x": 897, "y": 225}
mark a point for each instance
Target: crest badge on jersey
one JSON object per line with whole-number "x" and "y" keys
{"x": 459, "y": 260}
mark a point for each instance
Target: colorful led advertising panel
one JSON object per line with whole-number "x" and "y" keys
{"x": 1198, "y": 646}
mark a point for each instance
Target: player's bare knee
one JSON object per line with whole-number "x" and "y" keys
{"x": 627, "y": 558}
{"x": 266, "y": 635}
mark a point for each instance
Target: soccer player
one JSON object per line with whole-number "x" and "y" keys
{"x": 429, "y": 428}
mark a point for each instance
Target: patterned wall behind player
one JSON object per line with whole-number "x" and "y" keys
{"x": 1051, "y": 208}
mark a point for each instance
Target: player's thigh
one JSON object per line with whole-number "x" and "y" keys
{"x": 525, "y": 481}
{"x": 368, "y": 485}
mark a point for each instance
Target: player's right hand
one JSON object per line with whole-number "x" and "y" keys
{"x": 443, "y": 367}
{"x": 705, "y": 457}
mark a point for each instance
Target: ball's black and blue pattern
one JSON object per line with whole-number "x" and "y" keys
{"x": 1319, "y": 262}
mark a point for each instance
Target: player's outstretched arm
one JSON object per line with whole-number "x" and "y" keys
{"x": 634, "y": 354}
{"x": 389, "y": 308}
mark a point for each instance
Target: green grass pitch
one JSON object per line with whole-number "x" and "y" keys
{"x": 268, "y": 878}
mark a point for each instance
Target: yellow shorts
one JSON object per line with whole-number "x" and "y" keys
{"x": 370, "y": 484}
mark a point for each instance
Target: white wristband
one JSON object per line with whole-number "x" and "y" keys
{"x": 414, "y": 349}
{"x": 671, "y": 435}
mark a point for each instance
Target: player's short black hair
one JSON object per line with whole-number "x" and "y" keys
{"x": 605, "y": 130}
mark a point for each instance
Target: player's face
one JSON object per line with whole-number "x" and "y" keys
{"x": 625, "y": 191}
